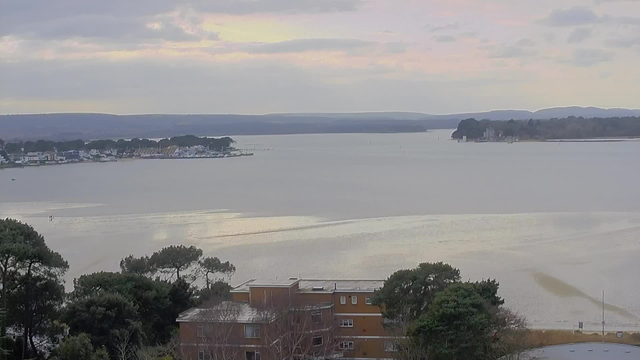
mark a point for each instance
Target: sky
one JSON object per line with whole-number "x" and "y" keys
{"x": 265, "y": 56}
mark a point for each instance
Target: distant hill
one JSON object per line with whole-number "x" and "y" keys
{"x": 105, "y": 126}
{"x": 587, "y": 112}
{"x": 493, "y": 115}
{"x": 361, "y": 115}
{"x": 101, "y": 126}
{"x": 543, "y": 114}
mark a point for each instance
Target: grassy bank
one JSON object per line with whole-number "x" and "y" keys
{"x": 540, "y": 338}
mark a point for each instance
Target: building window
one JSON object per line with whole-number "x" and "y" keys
{"x": 346, "y": 323}
{"x": 346, "y": 345}
{"x": 252, "y": 331}
{"x": 200, "y": 331}
{"x": 343, "y": 300}
{"x": 317, "y": 341}
{"x": 368, "y": 300}
{"x": 252, "y": 355}
{"x": 204, "y": 355}
{"x": 354, "y": 300}
{"x": 390, "y": 346}
{"x": 316, "y": 317}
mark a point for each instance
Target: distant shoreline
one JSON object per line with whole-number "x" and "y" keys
{"x": 594, "y": 140}
{"x": 22, "y": 166}
{"x": 591, "y": 140}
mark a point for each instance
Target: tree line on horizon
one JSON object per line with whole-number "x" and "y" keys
{"x": 565, "y": 128}
{"x": 121, "y": 144}
{"x": 131, "y": 314}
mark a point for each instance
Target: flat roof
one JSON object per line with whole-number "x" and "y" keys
{"x": 585, "y": 351}
{"x": 341, "y": 285}
{"x": 272, "y": 282}
{"x": 308, "y": 285}
{"x": 226, "y": 311}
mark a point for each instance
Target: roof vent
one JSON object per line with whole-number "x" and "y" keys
{"x": 293, "y": 278}
{"x": 317, "y": 288}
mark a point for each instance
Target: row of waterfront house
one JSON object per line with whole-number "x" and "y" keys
{"x": 62, "y": 157}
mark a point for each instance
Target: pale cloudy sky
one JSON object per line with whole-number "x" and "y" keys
{"x": 261, "y": 56}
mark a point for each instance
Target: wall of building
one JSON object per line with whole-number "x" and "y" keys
{"x": 367, "y": 348}
{"x": 267, "y": 296}
{"x": 362, "y": 326}
{"x": 367, "y": 333}
{"x": 349, "y": 307}
{"x": 212, "y": 333}
{"x": 234, "y": 337}
{"x": 234, "y": 353}
{"x": 244, "y": 297}
{"x": 311, "y": 298}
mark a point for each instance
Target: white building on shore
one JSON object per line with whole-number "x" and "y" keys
{"x": 33, "y": 157}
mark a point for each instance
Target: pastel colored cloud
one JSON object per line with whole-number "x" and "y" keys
{"x": 257, "y": 56}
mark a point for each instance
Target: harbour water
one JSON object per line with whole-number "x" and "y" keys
{"x": 555, "y": 223}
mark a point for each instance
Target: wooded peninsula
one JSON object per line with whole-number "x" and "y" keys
{"x": 565, "y": 128}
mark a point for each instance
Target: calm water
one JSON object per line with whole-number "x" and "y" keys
{"x": 555, "y": 224}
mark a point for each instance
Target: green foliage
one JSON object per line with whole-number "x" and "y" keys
{"x": 149, "y": 307}
{"x": 175, "y": 259}
{"x": 151, "y": 299}
{"x": 33, "y": 274}
{"x": 34, "y": 304}
{"x": 215, "y": 293}
{"x": 134, "y": 265}
{"x": 212, "y": 265}
{"x": 159, "y": 302}
{"x": 488, "y": 289}
{"x": 112, "y": 312}
{"x": 181, "y": 295}
{"x": 101, "y": 316}
{"x": 471, "y": 128}
{"x": 566, "y": 128}
{"x": 445, "y": 319}
{"x": 101, "y": 354}
{"x": 456, "y": 326}
{"x": 121, "y": 145}
{"x": 76, "y": 348}
{"x": 407, "y": 294}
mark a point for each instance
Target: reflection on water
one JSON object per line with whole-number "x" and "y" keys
{"x": 506, "y": 247}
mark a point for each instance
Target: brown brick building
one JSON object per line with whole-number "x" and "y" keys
{"x": 275, "y": 320}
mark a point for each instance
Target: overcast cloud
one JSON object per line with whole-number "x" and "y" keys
{"x": 259, "y": 56}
